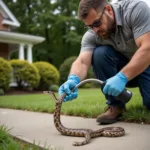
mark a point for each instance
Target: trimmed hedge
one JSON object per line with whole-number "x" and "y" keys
{"x": 65, "y": 68}
{"x": 54, "y": 88}
{"x": 25, "y": 73}
{"x": 48, "y": 74}
{"x": 2, "y": 92}
{"x": 5, "y": 74}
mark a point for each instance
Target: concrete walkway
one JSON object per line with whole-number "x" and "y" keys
{"x": 39, "y": 127}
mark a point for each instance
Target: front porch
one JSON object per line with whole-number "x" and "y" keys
{"x": 11, "y": 41}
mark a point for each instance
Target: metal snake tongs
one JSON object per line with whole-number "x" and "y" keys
{"x": 60, "y": 99}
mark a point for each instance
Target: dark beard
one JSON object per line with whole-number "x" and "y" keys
{"x": 111, "y": 29}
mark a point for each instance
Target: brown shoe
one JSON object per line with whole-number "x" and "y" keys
{"x": 111, "y": 115}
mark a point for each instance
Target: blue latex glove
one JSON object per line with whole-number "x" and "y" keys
{"x": 115, "y": 85}
{"x": 72, "y": 81}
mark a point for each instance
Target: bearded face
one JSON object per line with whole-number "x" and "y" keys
{"x": 102, "y": 22}
{"x": 106, "y": 30}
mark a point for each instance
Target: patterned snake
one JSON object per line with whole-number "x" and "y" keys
{"x": 87, "y": 133}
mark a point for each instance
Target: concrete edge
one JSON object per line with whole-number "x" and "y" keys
{"x": 26, "y": 140}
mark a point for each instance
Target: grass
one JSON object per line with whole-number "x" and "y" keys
{"x": 89, "y": 103}
{"x": 7, "y": 142}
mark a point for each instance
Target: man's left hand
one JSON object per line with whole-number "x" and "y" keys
{"x": 115, "y": 85}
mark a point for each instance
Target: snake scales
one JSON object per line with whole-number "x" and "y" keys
{"x": 87, "y": 133}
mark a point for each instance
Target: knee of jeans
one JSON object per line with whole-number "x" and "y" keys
{"x": 100, "y": 53}
{"x": 147, "y": 103}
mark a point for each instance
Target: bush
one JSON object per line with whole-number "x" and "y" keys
{"x": 54, "y": 88}
{"x": 86, "y": 85}
{"x": 1, "y": 92}
{"x": 65, "y": 69}
{"x": 25, "y": 73}
{"x": 48, "y": 74}
{"x": 5, "y": 74}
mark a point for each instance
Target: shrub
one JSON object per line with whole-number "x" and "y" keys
{"x": 25, "y": 73}
{"x": 86, "y": 85}
{"x": 65, "y": 69}
{"x": 5, "y": 74}
{"x": 1, "y": 92}
{"x": 48, "y": 74}
{"x": 54, "y": 88}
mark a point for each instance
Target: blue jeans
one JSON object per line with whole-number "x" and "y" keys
{"x": 107, "y": 62}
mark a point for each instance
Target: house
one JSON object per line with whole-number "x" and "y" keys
{"x": 10, "y": 41}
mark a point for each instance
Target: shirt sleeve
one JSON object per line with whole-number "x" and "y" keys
{"x": 88, "y": 42}
{"x": 140, "y": 19}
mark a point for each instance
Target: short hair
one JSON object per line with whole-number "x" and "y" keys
{"x": 86, "y": 5}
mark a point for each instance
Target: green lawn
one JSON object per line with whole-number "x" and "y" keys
{"x": 7, "y": 142}
{"x": 89, "y": 103}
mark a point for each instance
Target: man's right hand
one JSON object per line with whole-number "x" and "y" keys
{"x": 72, "y": 81}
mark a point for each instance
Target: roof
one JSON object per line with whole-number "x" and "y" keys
{"x": 16, "y": 38}
{"x": 9, "y": 18}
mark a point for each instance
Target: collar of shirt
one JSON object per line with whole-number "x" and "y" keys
{"x": 116, "y": 10}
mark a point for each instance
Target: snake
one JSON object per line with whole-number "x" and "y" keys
{"x": 82, "y": 132}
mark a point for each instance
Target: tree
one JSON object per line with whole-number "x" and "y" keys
{"x": 57, "y": 22}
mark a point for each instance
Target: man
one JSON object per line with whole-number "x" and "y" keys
{"x": 117, "y": 44}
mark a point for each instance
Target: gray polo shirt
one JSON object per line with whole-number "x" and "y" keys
{"x": 132, "y": 21}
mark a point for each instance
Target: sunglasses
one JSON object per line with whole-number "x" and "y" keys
{"x": 96, "y": 23}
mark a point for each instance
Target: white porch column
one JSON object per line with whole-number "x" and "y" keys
{"x": 21, "y": 51}
{"x": 29, "y": 53}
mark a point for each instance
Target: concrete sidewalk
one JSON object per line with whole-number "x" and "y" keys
{"x": 39, "y": 127}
